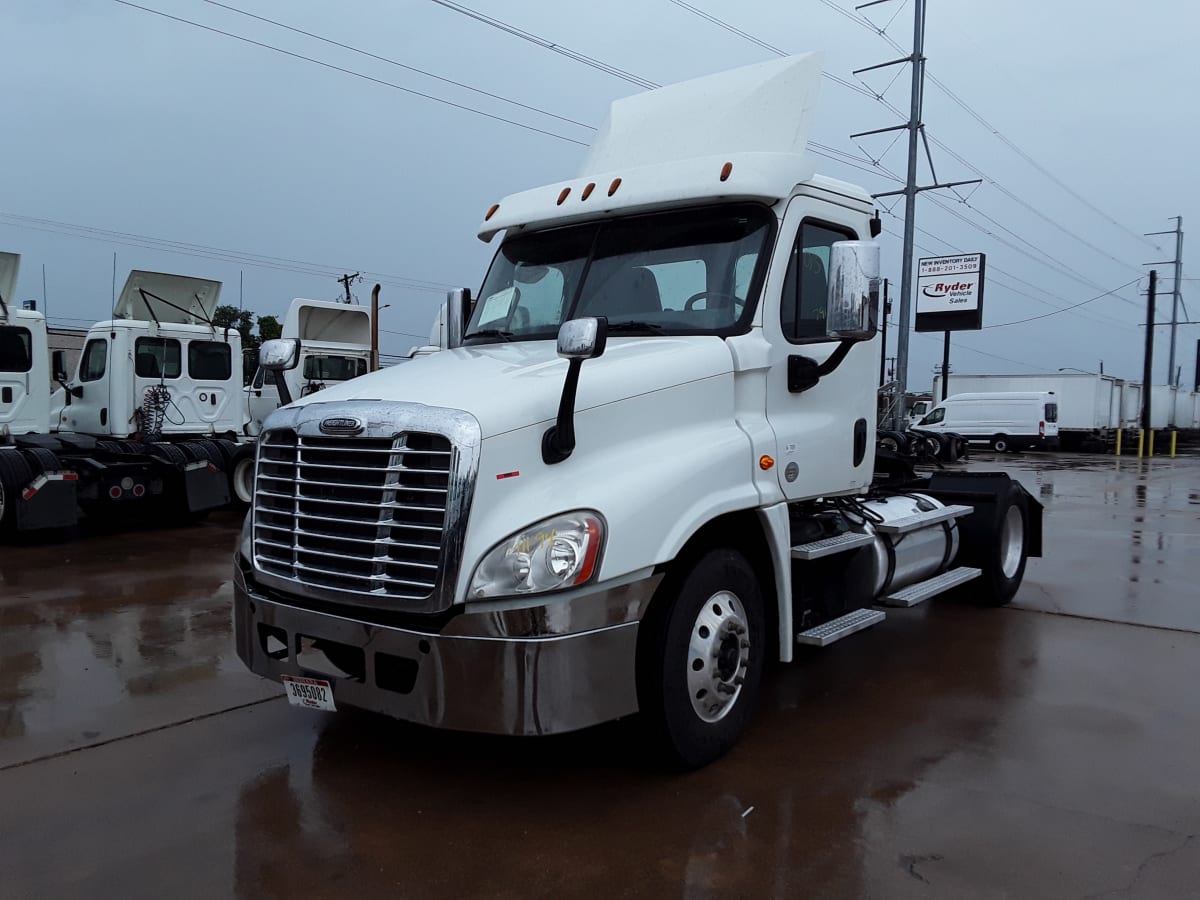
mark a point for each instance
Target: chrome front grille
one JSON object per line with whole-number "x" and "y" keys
{"x": 365, "y": 515}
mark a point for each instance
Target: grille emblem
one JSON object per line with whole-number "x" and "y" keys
{"x": 341, "y": 425}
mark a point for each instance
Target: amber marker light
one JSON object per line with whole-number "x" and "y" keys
{"x": 587, "y": 191}
{"x": 726, "y": 171}
{"x": 612, "y": 188}
{"x": 491, "y": 212}
{"x": 765, "y": 462}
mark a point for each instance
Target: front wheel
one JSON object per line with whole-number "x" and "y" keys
{"x": 701, "y": 654}
{"x": 241, "y": 478}
{"x": 1000, "y": 443}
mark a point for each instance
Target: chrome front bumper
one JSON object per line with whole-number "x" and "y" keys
{"x": 560, "y": 666}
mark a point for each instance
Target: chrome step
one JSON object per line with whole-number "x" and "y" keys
{"x": 840, "y": 543}
{"x": 938, "y": 584}
{"x": 842, "y": 626}
{"x": 921, "y": 520}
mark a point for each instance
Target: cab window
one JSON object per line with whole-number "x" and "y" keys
{"x": 209, "y": 361}
{"x": 16, "y": 347}
{"x": 94, "y": 360}
{"x": 806, "y": 282}
{"x": 934, "y": 417}
{"x": 156, "y": 358}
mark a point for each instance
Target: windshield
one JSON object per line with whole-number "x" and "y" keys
{"x": 333, "y": 368}
{"x": 695, "y": 271}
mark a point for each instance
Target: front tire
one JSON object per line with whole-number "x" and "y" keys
{"x": 701, "y": 654}
{"x": 1000, "y": 443}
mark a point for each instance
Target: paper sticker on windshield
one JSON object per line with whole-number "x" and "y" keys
{"x": 495, "y": 308}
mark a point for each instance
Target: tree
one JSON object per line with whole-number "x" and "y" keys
{"x": 241, "y": 320}
{"x": 269, "y": 328}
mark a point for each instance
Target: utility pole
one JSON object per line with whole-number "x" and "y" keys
{"x": 346, "y": 281}
{"x": 916, "y": 132}
{"x": 1148, "y": 361}
{"x": 887, "y": 311}
{"x": 375, "y": 328}
{"x": 1176, "y": 293}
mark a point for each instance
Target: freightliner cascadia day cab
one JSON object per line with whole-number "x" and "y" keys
{"x": 645, "y": 467}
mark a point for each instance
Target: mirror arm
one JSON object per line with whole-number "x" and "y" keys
{"x": 559, "y": 440}
{"x": 804, "y": 372}
{"x": 285, "y": 393}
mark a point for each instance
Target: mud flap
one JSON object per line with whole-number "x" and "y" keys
{"x": 981, "y": 490}
{"x": 205, "y": 487}
{"x": 52, "y": 504}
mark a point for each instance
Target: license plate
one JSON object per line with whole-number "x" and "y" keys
{"x": 311, "y": 693}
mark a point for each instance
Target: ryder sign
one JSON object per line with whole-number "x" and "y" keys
{"x": 950, "y": 292}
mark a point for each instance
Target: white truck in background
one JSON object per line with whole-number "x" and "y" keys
{"x": 643, "y": 470}
{"x": 1091, "y": 407}
{"x": 335, "y": 341}
{"x": 1004, "y": 420}
{"x": 147, "y": 423}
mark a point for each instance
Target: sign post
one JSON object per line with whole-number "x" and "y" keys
{"x": 950, "y": 298}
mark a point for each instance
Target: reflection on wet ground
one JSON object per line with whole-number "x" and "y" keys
{"x": 950, "y": 752}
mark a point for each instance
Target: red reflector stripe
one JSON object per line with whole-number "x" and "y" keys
{"x": 507, "y": 475}
{"x": 28, "y": 492}
{"x": 70, "y": 476}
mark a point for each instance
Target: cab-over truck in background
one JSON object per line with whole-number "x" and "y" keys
{"x": 644, "y": 469}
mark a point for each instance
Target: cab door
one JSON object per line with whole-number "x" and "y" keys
{"x": 88, "y": 413}
{"x": 825, "y": 432}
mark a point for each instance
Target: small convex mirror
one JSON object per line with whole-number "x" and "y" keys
{"x": 853, "y": 308}
{"x": 279, "y": 355}
{"x": 583, "y": 338}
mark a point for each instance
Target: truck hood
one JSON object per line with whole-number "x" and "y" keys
{"x": 511, "y": 386}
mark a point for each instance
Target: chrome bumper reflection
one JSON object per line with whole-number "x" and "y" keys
{"x": 464, "y": 678}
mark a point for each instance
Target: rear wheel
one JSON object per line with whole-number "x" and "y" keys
{"x": 999, "y": 546}
{"x": 241, "y": 478}
{"x": 701, "y": 654}
{"x": 15, "y": 475}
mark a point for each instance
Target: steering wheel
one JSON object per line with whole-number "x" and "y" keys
{"x": 738, "y": 302}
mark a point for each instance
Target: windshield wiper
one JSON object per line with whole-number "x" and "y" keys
{"x": 636, "y": 326}
{"x": 490, "y": 332}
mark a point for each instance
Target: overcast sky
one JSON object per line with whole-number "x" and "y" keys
{"x": 127, "y": 122}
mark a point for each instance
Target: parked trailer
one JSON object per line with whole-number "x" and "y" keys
{"x": 91, "y": 448}
{"x": 643, "y": 470}
{"x": 1090, "y": 407}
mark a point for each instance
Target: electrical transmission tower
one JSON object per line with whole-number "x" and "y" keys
{"x": 916, "y": 134}
{"x": 1176, "y": 294}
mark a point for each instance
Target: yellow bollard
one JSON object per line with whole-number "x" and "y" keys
{"x": 1173, "y": 444}
{"x": 1141, "y": 441}
{"x": 1119, "y": 431}
{"x": 1151, "y": 451}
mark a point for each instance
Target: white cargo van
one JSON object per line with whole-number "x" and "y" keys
{"x": 1014, "y": 420}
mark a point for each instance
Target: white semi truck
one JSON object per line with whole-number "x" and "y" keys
{"x": 147, "y": 423}
{"x": 644, "y": 469}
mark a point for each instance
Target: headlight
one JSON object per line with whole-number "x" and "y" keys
{"x": 555, "y": 553}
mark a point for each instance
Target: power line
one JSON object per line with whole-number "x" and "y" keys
{"x": 547, "y": 44}
{"x": 1065, "y": 308}
{"x": 882, "y": 32}
{"x": 1006, "y": 359}
{"x": 397, "y": 63}
{"x": 365, "y": 77}
{"x": 125, "y": 238}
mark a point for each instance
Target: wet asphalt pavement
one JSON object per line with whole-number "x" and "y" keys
{"x": 1051, "y": 749}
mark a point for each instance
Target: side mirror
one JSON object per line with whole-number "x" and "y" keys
{"x": 852, "y": 312}
{"x": 280, "y": 354}
{"x": 458, "y": 312}
{"x": 578, "y": 339}
{"x": 582, "y": 338}
{"x": 59, "y": 366}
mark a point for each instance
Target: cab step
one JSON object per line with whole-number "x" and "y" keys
{"x": 840, "y": 543}
{"x": 923, "y": 520}
{"x": 938, "y": 584}
{"x": 843, "y": 626}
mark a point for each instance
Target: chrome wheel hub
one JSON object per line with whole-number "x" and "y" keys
{"x": 718, "y": 656}
{"x": 1012, "y": 542}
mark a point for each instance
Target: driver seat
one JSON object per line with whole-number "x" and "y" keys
{"x": 629, "y": 294}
